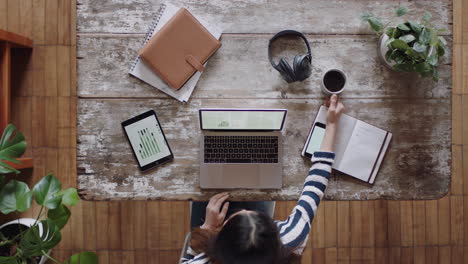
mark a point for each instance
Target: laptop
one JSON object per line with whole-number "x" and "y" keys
{"x": 241, "y": 148}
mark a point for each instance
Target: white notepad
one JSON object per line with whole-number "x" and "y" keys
{"x": 140, "y": 70}
{"x": 359, "y": 147}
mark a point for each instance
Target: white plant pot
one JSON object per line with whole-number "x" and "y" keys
{"x": 26, "y": 222}
{"x": 382, "y": 49}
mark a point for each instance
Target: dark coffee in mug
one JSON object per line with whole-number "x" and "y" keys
{"x": 334, "y": 80}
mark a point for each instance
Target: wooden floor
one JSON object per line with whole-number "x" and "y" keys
{"x": 44, "y": 108}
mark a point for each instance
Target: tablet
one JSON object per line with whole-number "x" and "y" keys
{"x": 147, "y": 139}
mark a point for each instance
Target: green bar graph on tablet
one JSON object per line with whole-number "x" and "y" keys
{"x": 147, "y": 140}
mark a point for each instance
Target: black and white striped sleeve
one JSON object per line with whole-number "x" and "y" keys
{"x": 294, "y": 231}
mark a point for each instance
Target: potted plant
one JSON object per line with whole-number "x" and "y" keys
{"x": 409, "y": 46}
{"x": 27, "y": 240}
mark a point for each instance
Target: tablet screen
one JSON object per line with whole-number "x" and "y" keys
{"x": 147, "y": 140}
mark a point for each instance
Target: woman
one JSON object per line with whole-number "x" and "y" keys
{"x": 248, "y": 236}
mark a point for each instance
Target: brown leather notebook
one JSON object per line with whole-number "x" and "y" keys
{"x": 179, "y": 49}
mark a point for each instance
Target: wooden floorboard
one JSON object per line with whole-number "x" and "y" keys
{"x": 44, "y": 108}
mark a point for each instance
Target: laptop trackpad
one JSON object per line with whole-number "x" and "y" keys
{"x": 241, "y": 175}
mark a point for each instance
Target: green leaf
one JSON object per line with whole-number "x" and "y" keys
{"x": 419, "y": 47}
{"x": 15, "y": 196}
{"x": 388, "y": 55}
{"x": 10, "y": 260}
{"x": 442, "y": 39}
{"x": 425, "y": 36}
{"x": 59, "y": 215}
{"x": 433, "y": 59}
{"x": 441, "y": 46}
{"x": 422, "y": 67}
{"x": 390, "y": 32}
{"x": 388, "y": 42}
{"x": 46, "y": 192}
{"x": 83, "y": 258}
{"x": 434, "y": 38}
{"x": 403, "y": 27}
{"x": 426, "y": 74}
{"x": 440, "y": 49}
{"x": 400, "y": 44}
{"x": 398, "y": 56}
{"x": 366, "y": 15}
{"x": 376, "y": 24}
{"x": 393, "y": 32}
{"x": 399, "y": 59}
{"x": 70, "y": 197}
{"x": 33, "y": 242}
{"x": 416, "y": 27}
{"x": 413, "y": 54}
{"x": 12, "y": 145}
{"x": 403, "y": 67}
{"x": 5, "y": 168}
{"x": 9, "y": 140}
{"x": 435, "y": 74}
{"x": 400, "y": 11}
{"x": 407, "y": 38}
{"x": 427, "y": 16}
{"x": 2, "y": 181}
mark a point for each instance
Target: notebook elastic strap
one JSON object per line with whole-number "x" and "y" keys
{"x": 195, "y": 63}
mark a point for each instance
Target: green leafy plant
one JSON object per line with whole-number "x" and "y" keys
{"x": 412, "y": 46}
{"x": 15, "y": 196}
{"x": 11, "y": 146}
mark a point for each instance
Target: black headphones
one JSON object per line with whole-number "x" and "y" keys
{"x": 301, "y": 65}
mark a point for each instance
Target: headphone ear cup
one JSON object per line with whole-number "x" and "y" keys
{"x": 302, "y": 68}
{"x": 288, "y": 73}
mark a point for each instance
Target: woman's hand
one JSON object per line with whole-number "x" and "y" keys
{"x": 214, "y": 214}
{"x": 335, "y": 109}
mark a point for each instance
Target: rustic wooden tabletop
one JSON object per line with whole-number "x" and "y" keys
{"x": 416, "y": 111}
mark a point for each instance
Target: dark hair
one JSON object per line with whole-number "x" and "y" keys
{"x": 249, "y": 238}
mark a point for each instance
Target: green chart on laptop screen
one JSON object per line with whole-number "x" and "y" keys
{"x": 242, "y": 119}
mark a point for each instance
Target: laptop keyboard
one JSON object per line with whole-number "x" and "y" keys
{"x": 241, "y": 149}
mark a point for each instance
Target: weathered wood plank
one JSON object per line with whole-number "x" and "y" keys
{"x": 419, "y": 223}
{"x": 331, "y": 229}
{"x": 256, "y": 16}
{"x": 240, "y": 69}
{"x": 443, "y": 220}
{"x": 382, "y": 255}
{"x": 344, "y": 255}
{"x": 432, "y": 229}
{"x": 331, "y": 255}
{"x": 344, "y": 225}
{"x": 456, "y": 220}
{"x": 318, "y": 228}
{"x": 381, "y": 223}
{"x": 406, "y": 209}
{"x": 356, "y": 223}
{"x": 416, "y": 167}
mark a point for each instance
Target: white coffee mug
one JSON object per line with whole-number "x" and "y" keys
{"x": 325, "y": 89}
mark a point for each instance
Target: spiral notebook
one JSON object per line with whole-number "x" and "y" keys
{"x": 143, "y": 72}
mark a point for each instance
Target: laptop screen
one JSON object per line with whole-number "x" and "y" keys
{"x": 242, "y": 119}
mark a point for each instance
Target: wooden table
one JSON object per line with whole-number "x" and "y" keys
{"x": 417, "y": 112}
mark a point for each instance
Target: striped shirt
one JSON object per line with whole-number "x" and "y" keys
{"x": 294, "y": 231}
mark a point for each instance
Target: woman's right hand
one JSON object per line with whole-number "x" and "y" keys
{"x": 335, "y": 109}
{"x": 216, "y": 211}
